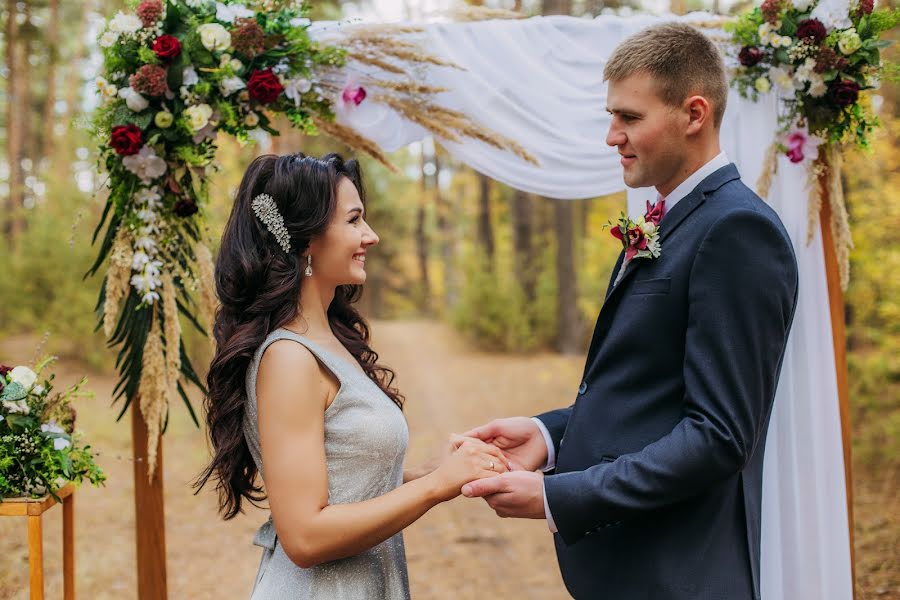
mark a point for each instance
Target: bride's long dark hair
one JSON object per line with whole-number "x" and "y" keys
{"x": 258, "y": 285}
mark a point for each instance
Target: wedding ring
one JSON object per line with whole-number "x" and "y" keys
{"x": 491, "y": 465}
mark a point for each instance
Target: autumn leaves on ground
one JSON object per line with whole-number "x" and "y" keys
{"x": 459, "y": 550}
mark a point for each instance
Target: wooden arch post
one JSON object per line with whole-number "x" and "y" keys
{"x": 149, "y": 512}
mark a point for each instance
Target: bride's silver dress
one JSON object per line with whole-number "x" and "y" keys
{"x": 365, "y": 442}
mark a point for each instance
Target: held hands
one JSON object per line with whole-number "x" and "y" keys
{"x": 519, "y": 438}
{"x": 470, "y": 459}
{"x": 520, "y": 492}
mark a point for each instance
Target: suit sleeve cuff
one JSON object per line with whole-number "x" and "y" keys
{"x": 550, "y": 522}
{"x": 551, "y": 453}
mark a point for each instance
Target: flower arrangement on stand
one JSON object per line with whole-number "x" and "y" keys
{"x": 40, "y": 450}
{"x": 178, "y": 73}
{"x": 820, "y": 57}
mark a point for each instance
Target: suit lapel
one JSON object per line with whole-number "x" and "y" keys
{"x": 670, "y": 222}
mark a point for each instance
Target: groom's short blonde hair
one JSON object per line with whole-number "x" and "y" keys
{"x": 682, "y": 61}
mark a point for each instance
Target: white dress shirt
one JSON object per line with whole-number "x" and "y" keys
{"x": 684, "y": 188}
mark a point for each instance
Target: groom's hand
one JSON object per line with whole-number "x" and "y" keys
{"x": 519, "y": 438}
{"x": 515, "y": 494}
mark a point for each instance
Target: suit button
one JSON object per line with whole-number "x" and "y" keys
{"x": 582, "y": 388}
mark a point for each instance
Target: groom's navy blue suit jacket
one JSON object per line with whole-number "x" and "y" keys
{"x": 658, "y": 479}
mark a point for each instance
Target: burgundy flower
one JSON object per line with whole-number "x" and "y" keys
{"x": 771, "y": 10}
{"x": 811, "y": 29}
{"x": 185, "y": 207}
{"x": 249, "y": 38}
{"x": 149, "y": 80}
{"x": 636, "y": 241}
{"x": 827, "y": 60}
{"x": 866, "y": 7}
{"x": 750, "y": 55}
{"x": 264, "y": 86}
{"x": 126, "y": 139}
{"x": 656, "y": 212}
{"x": 843, "y": 92}
{"x": 149, "y": 12}
{"x": 4, "y": 370}
{"x": 167, "y": 48}
{"x": 353, "y": 94}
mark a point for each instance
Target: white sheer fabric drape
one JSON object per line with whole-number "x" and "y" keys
{"x": 539, "y": 81}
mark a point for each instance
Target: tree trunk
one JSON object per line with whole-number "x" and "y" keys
{"x": 557, "y": 7}
{"x": 485, "y": 231}
{"x": 13, "y": 225}
{"x": 569, "y": 324}
{"x": 73, "y": 81}
{"x": 49, "y": 121}
{"x": 447, "y": 237}
{"x": 422, "y": 239}
{"x": 522, "y": 214}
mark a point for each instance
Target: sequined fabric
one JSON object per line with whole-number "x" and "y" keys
{"x": 365, "y": 442}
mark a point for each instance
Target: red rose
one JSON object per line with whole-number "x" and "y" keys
{"x": 843, "y": 92}
{"x": 750, "y": 55}
{"x": 167, "y": 48}
{"x": 126, "y": 139}
{"x": 264, "y": 86}
{"x": 811, "y": 29}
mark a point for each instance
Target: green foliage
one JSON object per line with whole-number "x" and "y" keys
{"x": 873, "y": 298}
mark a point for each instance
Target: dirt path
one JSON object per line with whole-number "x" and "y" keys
{"x": 459, "y": 550}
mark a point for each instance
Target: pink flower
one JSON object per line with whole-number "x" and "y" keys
{"x": 353, "y": 93}
{"x": 801, "y": 145}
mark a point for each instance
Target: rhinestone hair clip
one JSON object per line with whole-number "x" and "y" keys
{"x": 267, "y": 212}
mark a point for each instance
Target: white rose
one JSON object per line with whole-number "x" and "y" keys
{"x": 23, "y": 376}
{"x": 762, "y": 85}
{"x": 214, "y": 37}
{"x": 251, "y": 120}
{"x": 230, "y": 85}
{"x": 802, "y": 5}
{"x": 849, "y": 42}
{"x": 109, "y": 39}
{"x": 198, "y": 116}
{"x": 123, "y": 23}
{"x": 236, "y": 65}
{"x": 135, "y": 101}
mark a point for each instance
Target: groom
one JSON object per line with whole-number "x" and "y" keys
{"x": 652, "y": 478}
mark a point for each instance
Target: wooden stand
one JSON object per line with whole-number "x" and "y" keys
{"x": 149, "y": 509}
{"x": 34, "y": 510}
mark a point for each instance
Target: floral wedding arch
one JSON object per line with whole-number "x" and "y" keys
{"x": 179, "y": 72}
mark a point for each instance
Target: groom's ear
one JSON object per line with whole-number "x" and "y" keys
{"x": 699, "y": 113}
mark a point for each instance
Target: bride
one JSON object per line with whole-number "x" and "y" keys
{"x": 297, "y": 396}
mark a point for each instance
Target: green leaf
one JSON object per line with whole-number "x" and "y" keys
{"x": 13, "y": 392}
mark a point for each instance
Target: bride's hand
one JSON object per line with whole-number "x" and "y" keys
{"x": 470, "y": 459}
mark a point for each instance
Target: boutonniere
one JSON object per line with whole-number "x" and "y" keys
{"x": 640, "y": 238}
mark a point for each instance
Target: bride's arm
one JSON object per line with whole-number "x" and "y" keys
{"x": 292, "y": 393}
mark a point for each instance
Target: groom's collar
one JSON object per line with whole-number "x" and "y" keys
{"x": 695, "y": 198}
{"x": 694, "y": 179}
